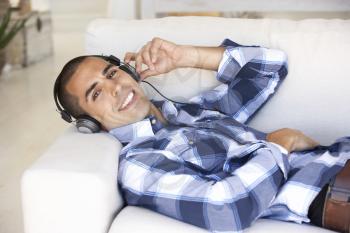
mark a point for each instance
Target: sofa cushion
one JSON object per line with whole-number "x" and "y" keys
{"x": 72, "y": 187}
{"x": 139, "y": 220}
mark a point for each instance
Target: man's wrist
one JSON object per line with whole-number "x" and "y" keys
{"x": 187, "y": 56}
{"x": 199, "y": 57}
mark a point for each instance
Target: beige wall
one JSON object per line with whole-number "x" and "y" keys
{"x": 79, "y": 6}
{"x": 73, "y": 16}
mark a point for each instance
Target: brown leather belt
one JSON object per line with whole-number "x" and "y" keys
{"x": 336, "y": 213}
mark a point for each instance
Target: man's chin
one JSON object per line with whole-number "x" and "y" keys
{"x": 129, "y": 117}
{"x": 111, "y": 126}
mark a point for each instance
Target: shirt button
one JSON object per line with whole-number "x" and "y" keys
{"x": 153, "y": 121}
{"x": 190, "y": 142}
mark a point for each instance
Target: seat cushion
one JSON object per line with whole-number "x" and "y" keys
{"x": 139, "y": 220}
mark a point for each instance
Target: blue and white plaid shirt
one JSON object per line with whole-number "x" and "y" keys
{"x": 206, "y": 168}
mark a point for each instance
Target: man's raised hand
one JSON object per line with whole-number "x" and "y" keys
{"x": 160, "y": 56}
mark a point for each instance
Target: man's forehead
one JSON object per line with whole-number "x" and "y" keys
{"x": 89, "y": 69}
{"x": 92, "y": 63}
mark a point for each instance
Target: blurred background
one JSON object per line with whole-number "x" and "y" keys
{"x": 41, "y": 35}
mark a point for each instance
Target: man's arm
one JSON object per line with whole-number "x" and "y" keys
{"x": 201, "y": 57}
{"x": 250, "y": 74}
{"x": 157, "y": 180}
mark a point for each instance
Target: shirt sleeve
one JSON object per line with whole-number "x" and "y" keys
{"x": 160, "y": 181}
{"x": 250, "y": 76}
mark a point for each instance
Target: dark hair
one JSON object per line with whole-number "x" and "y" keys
{"x": 68, "y": 101}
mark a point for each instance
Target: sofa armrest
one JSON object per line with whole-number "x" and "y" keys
{"x": 72, "y": 187}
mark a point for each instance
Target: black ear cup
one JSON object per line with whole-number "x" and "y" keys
{"x": 87, "y": 124}
{"x": 66, "y": 116}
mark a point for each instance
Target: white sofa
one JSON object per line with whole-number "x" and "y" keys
{"x": 72, "y": 187}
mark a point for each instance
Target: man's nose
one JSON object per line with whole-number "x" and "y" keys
{"x": 113, "y": 88}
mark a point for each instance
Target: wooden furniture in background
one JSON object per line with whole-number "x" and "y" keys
{"x": 4, "y": 4}
{"x": 33, "y": 43}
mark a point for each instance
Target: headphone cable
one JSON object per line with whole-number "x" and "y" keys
{"x": 154, "y": 88}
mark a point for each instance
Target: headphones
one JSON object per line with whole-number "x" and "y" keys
{"x": 85, "y": 123}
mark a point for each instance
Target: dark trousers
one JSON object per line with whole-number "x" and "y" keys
{"x": 316, "y": 208}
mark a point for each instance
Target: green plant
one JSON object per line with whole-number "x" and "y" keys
{"x": 7, "y": 31}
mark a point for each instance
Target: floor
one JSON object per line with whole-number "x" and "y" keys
{"x": 28, "y": 125}
{"x": 28, "y": 120}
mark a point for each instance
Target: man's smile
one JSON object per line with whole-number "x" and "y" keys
{"x": 128, "y": 101}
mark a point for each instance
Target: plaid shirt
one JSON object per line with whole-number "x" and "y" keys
{"x": 207, "y": 168}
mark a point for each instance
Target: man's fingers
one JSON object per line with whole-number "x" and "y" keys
{"x": 156, "y": 44}
{"x": 129, "y": 57}
{"x": 312, "y": 143}
{"x": 147, "y": 73}
{"x": 149, "y": 54}
{"x": 138, "y": 63}
{"x": 146, "y": 56}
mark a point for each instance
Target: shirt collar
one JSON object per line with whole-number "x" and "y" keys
{"x": 144, "y": 128}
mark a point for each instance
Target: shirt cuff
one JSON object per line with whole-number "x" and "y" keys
{"x": 281, "y": 148}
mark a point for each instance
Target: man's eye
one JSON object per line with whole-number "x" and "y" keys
{"x": 95, "y": 95}
{"x": 110, "y": 75}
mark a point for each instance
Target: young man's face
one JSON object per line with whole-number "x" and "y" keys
{"x": 108, "y": 94}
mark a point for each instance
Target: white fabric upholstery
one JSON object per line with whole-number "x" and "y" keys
{"x": 72, "y": 187}
{"x": 140, "y": 220}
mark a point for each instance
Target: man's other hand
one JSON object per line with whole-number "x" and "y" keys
{"x": 160, "y": 56}
{"x": 291, "y": 139}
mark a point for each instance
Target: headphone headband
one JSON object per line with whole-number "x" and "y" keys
{"x": 85, "y": 123}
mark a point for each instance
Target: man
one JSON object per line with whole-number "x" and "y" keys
{"x": 198, "y": 162}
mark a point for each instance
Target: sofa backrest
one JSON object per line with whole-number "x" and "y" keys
{"x": 315, "y": 96}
